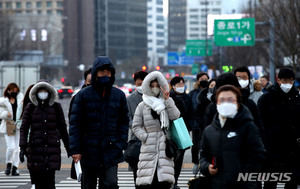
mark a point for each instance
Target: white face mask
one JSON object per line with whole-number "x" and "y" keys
{"x": 43, "y": 95}
{"x": 209, "y": 94}
{"x": 139, "y": 89}
{"x": 227, "y": 109}
{"x": 243, "y": 83}
{"x": 179, "y": 90}
{"x": 155, "y": 91}
{"x": 286, "y": 87}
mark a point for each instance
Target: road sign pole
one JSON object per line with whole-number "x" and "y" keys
{"x": 272, "y": 50}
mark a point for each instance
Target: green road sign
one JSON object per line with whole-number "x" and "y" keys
{"x": 197, "y": 48}
{"x": 235, "y": 32}
{"x": 195, "y": 68}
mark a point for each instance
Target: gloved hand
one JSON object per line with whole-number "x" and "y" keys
{"x": 195, "y": 168}
{"x": 22, "y": 154}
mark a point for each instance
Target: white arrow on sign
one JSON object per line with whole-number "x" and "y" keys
{"x": 247, "y": 37}
{"x": 229, "y": 39}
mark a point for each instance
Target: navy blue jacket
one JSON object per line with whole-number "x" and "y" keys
{"x": 99, "y": 122}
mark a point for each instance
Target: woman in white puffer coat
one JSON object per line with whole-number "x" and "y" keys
{"x": 152, "y": 115}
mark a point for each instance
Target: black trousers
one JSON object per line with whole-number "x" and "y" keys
{"x": 43, "y": 179}
{"x": 108, "y": 178}
{"x": 178, "y": 164}
{"x": 196, "y": 138}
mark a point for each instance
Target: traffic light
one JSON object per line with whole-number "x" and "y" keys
{"x": 62, "y": 80}
{"x": 157, "y": 67}
{"x": 144, "y": 68}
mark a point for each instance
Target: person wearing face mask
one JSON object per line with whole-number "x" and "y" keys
{"x": 99, "y": 127}
{"x": 205, "y": 97}
{"x": 231, "y": 144}
{"x": 45, "y": 119}
{"x": 280, "y": 110}
{"x": 247, "y": 84}
{"x": 184, "y": 103}
{"x": 8, "y": 110}
{"x": 133, "y": 101}
{"x": 152, "y": 117}
{"x": 202, "y": 80}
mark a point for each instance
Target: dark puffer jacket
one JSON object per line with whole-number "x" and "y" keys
{"x": 99, "y": 122}
{"x": 237, "y": 147}
{"x": 203, "y": 103}
{"x": 184, "y": 103}
{"x": 280, "y": 114}
{"x": 47, "y": 126}
{"x": 211, "y": 110}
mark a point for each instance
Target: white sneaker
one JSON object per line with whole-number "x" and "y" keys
{"x": 33, "y": 186}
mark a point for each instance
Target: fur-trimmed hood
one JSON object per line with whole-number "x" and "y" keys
{"x": 155, "y": 75}
{"x": 47, "y": 86}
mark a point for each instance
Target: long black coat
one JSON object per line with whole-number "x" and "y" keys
{"x": 237, "y": 148}
{"x": 99, "y": 122}
{"x": 184, "y": 103}
{"x": 280, "y": 115}
{"x": 46, "y": 122}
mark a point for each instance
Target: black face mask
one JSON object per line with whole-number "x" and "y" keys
{"x": 14, "y": 94}
{"x": 203, "y": 84}
{"x": 104, "y": 81}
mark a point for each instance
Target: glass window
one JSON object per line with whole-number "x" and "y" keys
{"x": 59, "y": 12}
{"x": 28, "y": 12}
{"x": 39, "y": 4}
{"x": 28, "y": 5}
{"x": 159, "y": 10}
{"x": 18, "y": 12}
{"x": 49, "y": 12}
{"x": 149, "y": 32}
{"x": 0, "y": 5}
{"x": 150, "y": 49}
{"x": 149, "y": 8}
{"x": 160, "y": 34}
{"x": 194, "y": 16}
{"x": 160, "y": 50}
{"x": 160, "y": 26}
{"x": 149, "y": 40}
{"x": 160, "y": 18}
{"x": 8, "y": 5}
{"x": 149, "y": 24}
{"x": 218, "y": 3}
{"x": 49, "y": 4}
{"x": 18, "y": 5}
{"x": 159, "y": 2}
{"x": 149, "y": 16}
{"x": 39, "y": 12}
{"x": 160, "y": 42}
{"x": 59, "y": 4}
{"x": 193, "y": 10}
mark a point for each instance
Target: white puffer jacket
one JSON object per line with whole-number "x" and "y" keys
{"x": 148, "y": 130}
{"x": 6, "y": 107}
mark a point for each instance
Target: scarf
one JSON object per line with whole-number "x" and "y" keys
{"x": 158, "y": 105}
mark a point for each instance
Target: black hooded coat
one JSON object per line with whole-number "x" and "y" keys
{"x": 99, "y": 121}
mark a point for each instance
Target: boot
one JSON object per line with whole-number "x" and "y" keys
{"x": 15, "y": 171}
{"x": 8, "y": 168}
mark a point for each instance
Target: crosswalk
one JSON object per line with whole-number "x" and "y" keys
{"x": 13, "y": 181}
{"x": 125, "y": 181}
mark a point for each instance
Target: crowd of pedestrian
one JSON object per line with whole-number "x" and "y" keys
{"x": 238, "y": 125}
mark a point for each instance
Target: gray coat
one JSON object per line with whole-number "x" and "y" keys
{"x": 148, "y": 130}
{"x": 133, "y": 101}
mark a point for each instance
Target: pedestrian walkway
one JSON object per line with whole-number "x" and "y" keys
{"x": 126, "y": 180}
{"x": 13, "y": 181}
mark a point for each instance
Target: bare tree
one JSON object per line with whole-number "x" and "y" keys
{"x": 9, "y": 36}
{"x": 286, "y": 14}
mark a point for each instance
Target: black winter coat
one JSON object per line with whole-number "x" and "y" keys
{"x": 211, "y": 110}
{"x": 47, "y": 126}
{"x": 280, "y": 115}
{"x": 184, "y": 103}
{"x": 203, "y": 103}
{"x": 237, "y": 148}
{"x": 99, "y": 122}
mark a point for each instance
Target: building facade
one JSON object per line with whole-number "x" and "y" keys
{"x": 197, "y": 11}
{"x": 156, "y": 33}
{"x": 113, "y": 28}
{"x": 177, "y": 24}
